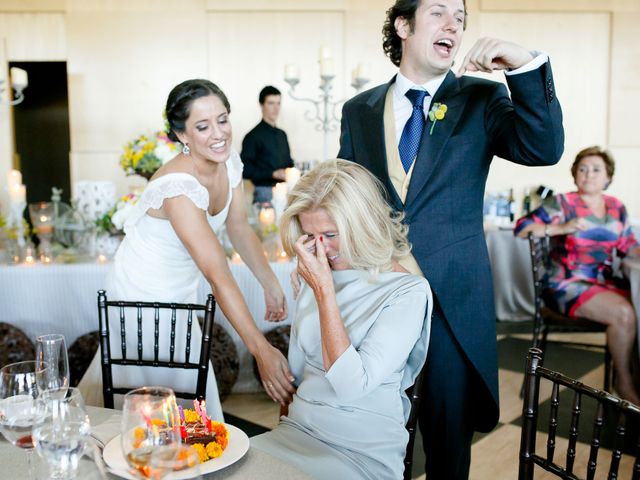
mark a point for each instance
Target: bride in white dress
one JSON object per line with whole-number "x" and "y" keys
{"x": 171, "y": 236}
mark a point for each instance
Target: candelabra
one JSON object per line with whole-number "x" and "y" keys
{"x": 19, "y": 81}
{"x": 324, "y": 107}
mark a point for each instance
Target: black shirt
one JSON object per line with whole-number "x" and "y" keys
{"x": 265, "y": 149}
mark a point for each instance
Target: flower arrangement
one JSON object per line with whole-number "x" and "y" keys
{"x": 147, "y": 153}
{"x": 437, "y": 112}
{"x": 112, "y": 222}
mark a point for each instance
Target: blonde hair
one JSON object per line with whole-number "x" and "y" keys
{"x": 371, "y": 234}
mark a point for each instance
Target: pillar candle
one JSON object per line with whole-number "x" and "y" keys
{"x": 326, "y": 67}
{"x": 324, "y": 53}
{"x": 291, "y": 72}
{"x": 292, "y": 175}
{"x": 14, "y": 177}
{"x": 17, "y": 193}
{"x": 280, "y": 193}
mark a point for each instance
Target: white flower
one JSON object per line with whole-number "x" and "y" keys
{"x": 165, "y": 151}
{"x": 121, "y": 214}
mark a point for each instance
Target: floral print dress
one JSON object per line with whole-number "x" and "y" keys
{"x": 582, "y": 261}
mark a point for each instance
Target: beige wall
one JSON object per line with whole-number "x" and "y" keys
{"x": 124, "y": 56}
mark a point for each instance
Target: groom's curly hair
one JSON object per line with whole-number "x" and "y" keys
{"x": 391, "y": 42}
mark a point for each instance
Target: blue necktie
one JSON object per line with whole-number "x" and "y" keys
{"x": 412, "y": 132}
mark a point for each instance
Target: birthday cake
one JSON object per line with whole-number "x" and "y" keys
{"x": 207, "y": 437}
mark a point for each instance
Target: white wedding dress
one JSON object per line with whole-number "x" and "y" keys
{"x": 152, "y": 264}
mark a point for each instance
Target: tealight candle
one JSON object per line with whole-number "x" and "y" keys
{"x": 282, "y": 257}
{"x": 267, "y": 216}
{"x": 102, "y": 258}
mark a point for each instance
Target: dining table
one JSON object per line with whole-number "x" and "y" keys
{"x": 254, "y": 463}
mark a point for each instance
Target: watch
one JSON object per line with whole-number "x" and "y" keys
{"x": 546, "y": 229}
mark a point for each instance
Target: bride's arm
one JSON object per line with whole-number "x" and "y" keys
{"x": 191, "y": 226}
{"x": 246, "y": 243}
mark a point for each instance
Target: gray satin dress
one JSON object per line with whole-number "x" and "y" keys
{"x": 348, "y": 422}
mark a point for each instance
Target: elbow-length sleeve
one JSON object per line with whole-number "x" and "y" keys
{"x": 550, "y": 212}
{"x": 295, "y": 357}
{"x": 388, "y": 346}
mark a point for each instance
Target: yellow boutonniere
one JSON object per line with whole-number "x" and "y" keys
{"x": 437, "y": 112}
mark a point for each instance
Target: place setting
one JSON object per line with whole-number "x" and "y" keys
{"x": 151, "y": 438}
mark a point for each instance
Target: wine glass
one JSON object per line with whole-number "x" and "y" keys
{"x": 52, "y": 349}
{"x": 19, "y": 387}
{"x": 61, "y": 435}
{"x": 150, "y": 431}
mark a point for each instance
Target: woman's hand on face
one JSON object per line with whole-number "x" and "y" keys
{"x": 276, "y": 304}
{"x": 276, "y": 377}
{"x": 575, "y": 225}
{"x": 313, "y": 265}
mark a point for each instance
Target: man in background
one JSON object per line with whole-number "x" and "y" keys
{"x": 265, "y": 149}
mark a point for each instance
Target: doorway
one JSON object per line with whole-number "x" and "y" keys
{"x": 41, "y": 129}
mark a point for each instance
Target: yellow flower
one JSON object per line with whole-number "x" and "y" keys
{"x": 437, "y": 112}
{"x": 214, "y": 450}
{"x": 190, "y": 416}
{"x": 202, "y": 452}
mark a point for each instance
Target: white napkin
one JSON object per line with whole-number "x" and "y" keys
{"x": 107, "y": 430}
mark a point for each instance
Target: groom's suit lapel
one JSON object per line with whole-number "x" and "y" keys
{"x": 430, "y": 153}
{"x": 373, "y": 120}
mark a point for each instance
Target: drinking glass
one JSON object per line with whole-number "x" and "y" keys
{"x": 52, "y": 350}
{"x": 61, "y": 435}
{"x": 150, "y": 431}
{"x": 19, "y": 388}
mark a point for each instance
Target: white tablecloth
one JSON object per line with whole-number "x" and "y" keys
{"x": 511, "y": 269}
{"x": 43, "y": 299}
{"x": 254, "y": 464}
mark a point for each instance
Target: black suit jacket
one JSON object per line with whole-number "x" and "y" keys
{"x": 443, "y": 207}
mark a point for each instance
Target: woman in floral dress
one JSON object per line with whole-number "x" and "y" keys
{"x": 587, "y": 228}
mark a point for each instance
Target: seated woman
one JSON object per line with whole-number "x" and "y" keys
{"x": 585, "y": 228}
{"x": 359, "y": 337}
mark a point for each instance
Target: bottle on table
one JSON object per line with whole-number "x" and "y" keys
{"x": 512, "y": 206}
{"x": 526, "y": 202}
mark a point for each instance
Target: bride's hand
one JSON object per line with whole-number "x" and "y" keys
{"x": 276, "y": 377}
{"x": 276, "y": 304}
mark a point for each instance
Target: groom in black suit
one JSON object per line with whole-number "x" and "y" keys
{"x": 430, "y": 135}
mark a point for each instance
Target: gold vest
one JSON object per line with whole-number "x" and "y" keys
{"x": 399, "y": 179}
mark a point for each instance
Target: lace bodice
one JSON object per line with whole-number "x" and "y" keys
{"x": 176, "y": 184}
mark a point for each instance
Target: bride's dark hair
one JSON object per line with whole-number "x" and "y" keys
{"x": 182, "y": 96}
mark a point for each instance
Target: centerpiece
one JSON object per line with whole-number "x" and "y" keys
{"x": 147, "y": 153}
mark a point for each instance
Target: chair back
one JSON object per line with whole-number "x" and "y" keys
{"x": 534, "y": 373}
{"x": 148, "y": 315}
{"x": 414, "y": 394}
{"x": 540, "y": 262}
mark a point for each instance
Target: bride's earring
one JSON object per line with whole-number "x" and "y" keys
{"x": 185, "y": 149}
